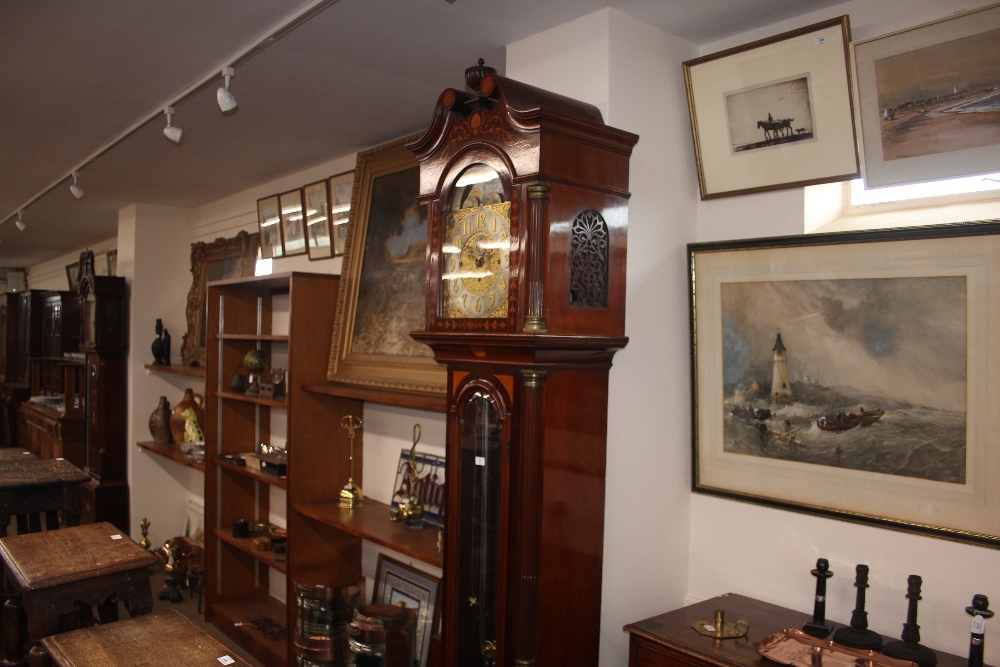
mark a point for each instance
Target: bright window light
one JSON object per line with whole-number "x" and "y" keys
{"x": 263, "y": 267}
{"x": 948, "y": 186}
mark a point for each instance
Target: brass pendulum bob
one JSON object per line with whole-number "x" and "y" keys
{"x": 351, "y": 495}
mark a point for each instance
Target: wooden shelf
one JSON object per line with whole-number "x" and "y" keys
{"x": 244, "y": 545}
{"x": 383, "y": 396}
{"x": 276, "y": 338}
{"x": 172, "y": 452}
{"x": 266, "y": 478}
{"x": 251, "y": 399}
{"x": 372, "y": 523}
{"x": 236, "y": 619}
{"x": 175, "y": 369}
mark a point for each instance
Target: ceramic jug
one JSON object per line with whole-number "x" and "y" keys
{"x": 177, "y": 422}
{"x": 159, "y": 422}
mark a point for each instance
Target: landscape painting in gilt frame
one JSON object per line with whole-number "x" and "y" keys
{"x": 384, "y": 281}
{"x": 850, "y": 376}
{"x": 929, "y": 99}
{"x": 775, "y": 113}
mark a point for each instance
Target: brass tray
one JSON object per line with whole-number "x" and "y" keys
{"x": 794, "y": 647}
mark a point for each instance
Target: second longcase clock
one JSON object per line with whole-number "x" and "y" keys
{"x": 527, "y": 197}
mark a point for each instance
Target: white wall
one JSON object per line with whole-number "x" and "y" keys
{"x": 768, "y": 553}
{"x": 646, "y": 513}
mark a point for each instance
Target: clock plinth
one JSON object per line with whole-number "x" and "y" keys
{"x": 527, "y": 205}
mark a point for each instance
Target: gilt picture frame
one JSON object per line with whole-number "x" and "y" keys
{"x": 397, "y": 583}
{"x": 928, "y": 105}
{"x": 341, "y": 190}
{"x": 234, "y": 257}
{"x": 316, "y": 198}
{"x": 852, "y": 376}
{"x": 775, "y": 113}
{"x": 384, "y": 282}
{"x": 269, "y": 224}
{"x": 293, "y": 227}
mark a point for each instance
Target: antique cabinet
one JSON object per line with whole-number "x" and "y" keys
{"x": 20, "y": 315}
{"x": 526, "y": 195}
{"x": 104, "y": 342}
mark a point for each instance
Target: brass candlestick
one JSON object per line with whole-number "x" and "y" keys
{"x": 411, "y": 510}
{"x": 351, "y": 495}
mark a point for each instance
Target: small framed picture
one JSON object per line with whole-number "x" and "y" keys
{"x": 73, "y": 276}
{"x": 399, "y": 584}
{"x": 928, "y": 101}
{"x": 317, "y": 200}
{"x": 269, "y": 221}
{"x": 292, "y": 228}
{"x": 430, "y": 484}
{"x": 775, "y": 113}
{"x": 341, "y": 190}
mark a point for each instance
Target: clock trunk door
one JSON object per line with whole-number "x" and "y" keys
{"x": 480, "y": 529}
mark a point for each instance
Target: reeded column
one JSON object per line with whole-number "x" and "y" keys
{"x": 538, "y": 251}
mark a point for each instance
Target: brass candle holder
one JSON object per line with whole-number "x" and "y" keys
{"x": 351, "y": 495}
{"x": 411, "y": 510}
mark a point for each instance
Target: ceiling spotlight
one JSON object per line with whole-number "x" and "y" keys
{"x": 76, "y": 189}
{"x": 173, "y": 133}
{"x": 20, "y": 223}
{"x": 226, "y": 100}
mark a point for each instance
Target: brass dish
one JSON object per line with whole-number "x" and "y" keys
{"x": 794, "y": 647}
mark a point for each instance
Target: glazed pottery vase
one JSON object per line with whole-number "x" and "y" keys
{"x": 177, "y": 423}
{"x": 166, "y": 347}
{"x": 159, "y": 422}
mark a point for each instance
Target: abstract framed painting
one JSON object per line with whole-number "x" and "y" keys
{"x": 852, "y": 376}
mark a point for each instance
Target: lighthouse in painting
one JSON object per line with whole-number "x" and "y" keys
{"x": 781, "y": 388}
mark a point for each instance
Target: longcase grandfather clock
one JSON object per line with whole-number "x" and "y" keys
{"x": 104, "y": 342}
{"x": 527, "y": 208}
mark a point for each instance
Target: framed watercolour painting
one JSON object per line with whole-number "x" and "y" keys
{"x": 383, "y": 282}
{"x": 269, "y": 223}
{"x": 293, "y": 229}
{"x": 317, "y": 202}
{"x": 399, "y": 584}
{"x": 852, "y": 376}
{"x": 929, "y": 99}
{"x": 775, "y": 113}
{"x": 341, "y": 187}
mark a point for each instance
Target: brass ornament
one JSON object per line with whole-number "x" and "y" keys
{"x": 411, "y": 510}
{"x": 351, "y": 495}
{"x": 719, "y": 628}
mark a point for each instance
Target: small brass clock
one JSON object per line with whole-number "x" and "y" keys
{"x": 476, "y": 250}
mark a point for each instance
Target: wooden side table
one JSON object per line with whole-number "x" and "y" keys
{"x": 163, "y": 639}
{"x": 669, "y": 640}
{"x": 52, "y": 574}
{"x": 29, "y": 485}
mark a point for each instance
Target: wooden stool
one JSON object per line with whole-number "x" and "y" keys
{"x": 164, "y": 639}
{"x": 66, "y": 572}
{"x": 30, "y": 486}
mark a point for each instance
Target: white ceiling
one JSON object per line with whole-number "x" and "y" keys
{"x": 77, "y": 76}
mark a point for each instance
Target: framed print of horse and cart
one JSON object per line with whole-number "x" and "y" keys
{"x": 853, "y": 376}
{"x": 776, "y": 113}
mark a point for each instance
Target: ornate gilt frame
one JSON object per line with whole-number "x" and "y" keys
{"x": 241, "y": 247}
{"x": 391, "y": 374}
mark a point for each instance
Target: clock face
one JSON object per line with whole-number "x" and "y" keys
{"x": 476, "y": 250}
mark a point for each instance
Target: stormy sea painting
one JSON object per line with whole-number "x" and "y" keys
{"x": 865, "y": 374}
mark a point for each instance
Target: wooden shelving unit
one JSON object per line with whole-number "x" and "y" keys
{"x": 172, "y": 452}
{"x": 176, "y": 369}
{"x": 324, "y": 541}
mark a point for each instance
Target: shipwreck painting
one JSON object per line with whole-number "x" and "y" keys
{"x": 863, "y": 374}
{"x": 852, "y": 376}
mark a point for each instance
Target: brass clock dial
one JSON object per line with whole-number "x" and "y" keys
{"x": 476, "y": 257}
